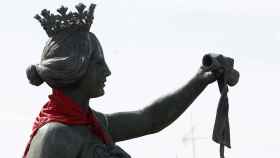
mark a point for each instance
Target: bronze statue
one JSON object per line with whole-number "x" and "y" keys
{"x": 73, "y": 65}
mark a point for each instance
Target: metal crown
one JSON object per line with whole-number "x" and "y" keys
{"x": 77, "y": 21}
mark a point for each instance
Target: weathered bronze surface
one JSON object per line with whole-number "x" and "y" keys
{"x": 73, "y": 61}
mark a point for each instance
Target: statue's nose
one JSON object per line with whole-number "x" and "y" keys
{"x": 107, "y": 71}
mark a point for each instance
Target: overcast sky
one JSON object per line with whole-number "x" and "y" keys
{"x": 154, "y": 47}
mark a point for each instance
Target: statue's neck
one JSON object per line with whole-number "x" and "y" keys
{"x": 81, "y": 99}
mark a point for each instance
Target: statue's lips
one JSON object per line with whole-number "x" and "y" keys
{"x": 102, "y": 84}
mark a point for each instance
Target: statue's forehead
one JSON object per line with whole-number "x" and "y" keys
{"x": 98, "y": 51}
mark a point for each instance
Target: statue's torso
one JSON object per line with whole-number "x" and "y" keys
{"x": 57, "y": 140}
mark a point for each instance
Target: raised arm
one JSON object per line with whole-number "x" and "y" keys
{"x": 161, "y": 113}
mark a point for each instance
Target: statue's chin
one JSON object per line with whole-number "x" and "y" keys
{"x": 99, "y": 93}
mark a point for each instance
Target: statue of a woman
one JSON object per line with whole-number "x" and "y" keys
{"x": 73, "y": 65}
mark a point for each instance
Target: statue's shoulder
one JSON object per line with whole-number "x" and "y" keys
{"x": 102, "y": 118}
{"x": 56, "y": 140}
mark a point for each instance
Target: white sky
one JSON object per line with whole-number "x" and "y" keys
{"x": 152, "y": 48}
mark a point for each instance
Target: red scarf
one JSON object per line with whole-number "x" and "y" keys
{"x": 63, "y": 109}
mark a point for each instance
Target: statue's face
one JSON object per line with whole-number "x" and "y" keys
{"x": 93, "y": 82}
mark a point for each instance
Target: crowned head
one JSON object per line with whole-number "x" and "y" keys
{"x": 70, "y": 51}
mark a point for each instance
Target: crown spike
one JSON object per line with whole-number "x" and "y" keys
{"x": 38, "y": 17}
{"x": 62, "y": 10}
{"x": 80, "y": 7}
{"x": 45, "y": 13}
{"x": 91, "y": 9}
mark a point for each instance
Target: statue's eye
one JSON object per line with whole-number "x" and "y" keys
{"x": 99, "y": 62}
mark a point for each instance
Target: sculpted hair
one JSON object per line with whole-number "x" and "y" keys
{"x": 64, "y": 60}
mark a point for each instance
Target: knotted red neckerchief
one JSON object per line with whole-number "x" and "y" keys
{"x": 63, "y": 109}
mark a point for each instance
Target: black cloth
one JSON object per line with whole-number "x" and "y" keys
{"x": 221, "y": 132}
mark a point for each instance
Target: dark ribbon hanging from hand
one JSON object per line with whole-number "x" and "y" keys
{"x": 221, "y": 132}
{"x": 229, "y": 76}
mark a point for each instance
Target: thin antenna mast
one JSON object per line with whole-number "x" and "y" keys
{"x": 192, "y": 136}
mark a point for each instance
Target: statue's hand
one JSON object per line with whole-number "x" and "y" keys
{"x": 215, "y": 65}
{"x": 209, "y": 75}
